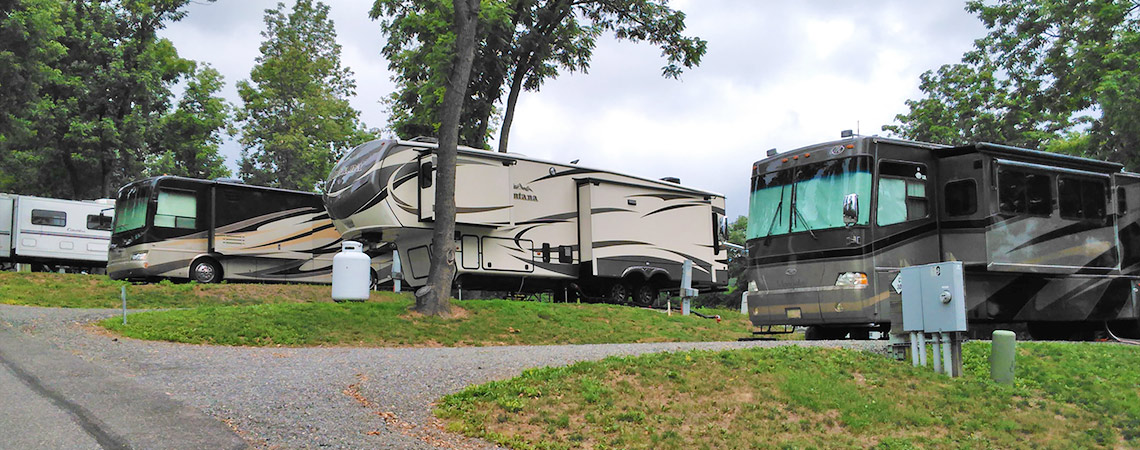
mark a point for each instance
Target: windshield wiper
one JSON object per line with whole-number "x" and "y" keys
{"x": 772, "y": 224}
{"x": 797, "y": 215}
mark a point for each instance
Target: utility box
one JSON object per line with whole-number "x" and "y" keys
{"x": 934, "y": 298}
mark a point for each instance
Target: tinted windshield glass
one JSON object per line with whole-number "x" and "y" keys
{"x": 808, "y": 197}
{"x": 130, "y": 208}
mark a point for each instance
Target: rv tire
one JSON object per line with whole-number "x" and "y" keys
{"x": 619, "y": 292}
{"x": 645, "y": 295}
{"x": 205, "y": 271}
{"x": 821, "y": 333}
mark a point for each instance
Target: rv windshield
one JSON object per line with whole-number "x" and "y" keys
{"x": 130, "y": 208}
{"x": 808, "y": 197}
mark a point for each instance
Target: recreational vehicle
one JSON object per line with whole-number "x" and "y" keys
{"x": 209, "y": 231}
{"x": 1047, "y": 240}
{"x": 53, "y": 234}
{"x": 527, "y": 225}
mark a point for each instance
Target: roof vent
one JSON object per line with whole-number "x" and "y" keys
{"x": 846, "y": 133}
{"x": 671, "y": 180}
{"x": 229, "y": 180}
{"x": 771, "y": 152}
{"x": 427, "y": 139}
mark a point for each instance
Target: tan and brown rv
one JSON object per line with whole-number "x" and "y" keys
{"x": 527, "y": 225}
{"x": 208, "y": 231}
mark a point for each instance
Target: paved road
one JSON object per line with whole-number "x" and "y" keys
{"x": 273, "y": 397}
{"x": 53, "y": 399}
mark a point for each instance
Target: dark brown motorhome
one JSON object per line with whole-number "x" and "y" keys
{"x": 1048, "y": 240}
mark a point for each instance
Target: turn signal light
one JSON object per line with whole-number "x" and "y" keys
{"x": 852, "y": 279}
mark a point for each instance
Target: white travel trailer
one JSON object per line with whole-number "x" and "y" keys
{"x": 51, "y": 234}
{"x": 526, "y": 225}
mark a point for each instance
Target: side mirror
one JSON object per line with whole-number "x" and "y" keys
{"x": 850, "y": 209}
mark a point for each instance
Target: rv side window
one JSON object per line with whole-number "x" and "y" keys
{"x": 49, "y": 218}
{"x": 1121, "y": 202}
{"x": 1021, "y": 192}
{"x": 902, "y": 192}
{"x": 425, "y": 175}
{"x": 176, "y": 209}
{"x": 96, "y": 222}
{"x": 1082, "y": 198}
{"x": 961, "y": 197}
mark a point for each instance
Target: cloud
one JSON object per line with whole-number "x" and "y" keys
{"x": 777, "y": 74}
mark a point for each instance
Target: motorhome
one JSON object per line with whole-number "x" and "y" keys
{"x": 1048, "y": 241}
{"x": 53, "y": 234}
{"x": 214, "y": 230}
{"x": 527, "y": 225}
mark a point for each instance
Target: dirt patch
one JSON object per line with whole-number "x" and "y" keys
{"x": 431, "y": 433}
{"x": 457, "y": 313}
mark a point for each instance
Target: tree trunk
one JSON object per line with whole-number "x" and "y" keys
{"x": 512, "y": 98}
{"x": 435, "y": 298}
{"x": 539, "y": 38}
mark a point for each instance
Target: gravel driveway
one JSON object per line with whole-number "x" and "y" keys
{"x": 321, "y": 397}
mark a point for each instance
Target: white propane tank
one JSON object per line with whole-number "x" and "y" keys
{"x": 351, "y": 275}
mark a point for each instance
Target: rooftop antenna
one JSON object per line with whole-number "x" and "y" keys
{"x": 857, "y": 128}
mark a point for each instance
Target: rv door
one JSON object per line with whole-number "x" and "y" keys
{"x": 6, "y": 226}
{"x": 1126, "y": 199}
{"x": 426, "y": 180}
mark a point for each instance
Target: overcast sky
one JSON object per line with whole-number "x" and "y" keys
{"x": 777, "y": 75}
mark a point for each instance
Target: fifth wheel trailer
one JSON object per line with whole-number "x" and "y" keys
{"x": 528, "y": 225}
{"x": 50, "y": 233}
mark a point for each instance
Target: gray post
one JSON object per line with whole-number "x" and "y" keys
{"x": 936, "y": 353}
{"x": 397, "y": 274}
{"x": 914, "y": 348}
{"x": 1002, "y": 361}
{"x": 124, "y": 295}
{"x": 687, "y": 290}
{"x": 947, "y": 359}
{"x": 921, "y": 349}
{"x": 744, "y": 302}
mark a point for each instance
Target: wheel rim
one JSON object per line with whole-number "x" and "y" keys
{"x": 205, "y": 273}
{"x": 646, "y": 295}
{"x": 618, "y": 292}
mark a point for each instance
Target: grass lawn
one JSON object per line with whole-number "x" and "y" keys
{"x": 304, "y": 315}
{"x": 1067, "y": 395}
{"x": 98, "y": 291}
{"x": 389, "y": 323}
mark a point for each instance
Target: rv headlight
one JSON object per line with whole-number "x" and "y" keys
{"x": 852, "y": 279}
{"x": 138, "y": 256}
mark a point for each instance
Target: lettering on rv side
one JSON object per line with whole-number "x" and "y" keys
{"x": 524, "y": 196}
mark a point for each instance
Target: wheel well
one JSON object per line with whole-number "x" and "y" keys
{"x": 659, "y": 280}
{"x": 217, "y": 265}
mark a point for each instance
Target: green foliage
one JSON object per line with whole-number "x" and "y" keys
{"x": 29, "y": 30}
{"x": 1067, "y": 396}
{"x": 190, "y": 136}
{"x": 91, "y": 80}
{"x": 296, "y": 119}
{"x": 1047, "y": 71}
{"x": 522, "y": 43}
